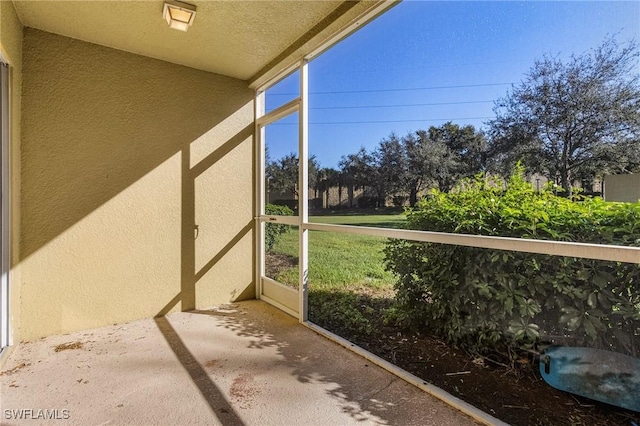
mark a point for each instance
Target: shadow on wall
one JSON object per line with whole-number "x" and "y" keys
{"x": 109, "y": 140}
{"x": 190, "y": 275}
{"x": 88, "y": 136}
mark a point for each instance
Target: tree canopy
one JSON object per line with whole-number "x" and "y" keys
{"x": 283, "y": 173}
{"x": 437, "y": 157}
{"x": 571, "y": 119}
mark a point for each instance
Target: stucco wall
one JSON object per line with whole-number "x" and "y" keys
{"x": 136, "y": 187}
{"x": 11, "y": 50}
{"x": 622, "y": 188}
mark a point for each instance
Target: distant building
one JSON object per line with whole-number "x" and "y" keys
{"x": 625, "y": 188}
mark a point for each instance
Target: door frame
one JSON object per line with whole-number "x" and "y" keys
{"x": 285, "y": 298}
{"x": 5, "y": 187}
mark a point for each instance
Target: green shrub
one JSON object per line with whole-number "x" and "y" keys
{"x": 272, "y": 231}
{"x": 478, "y": 298}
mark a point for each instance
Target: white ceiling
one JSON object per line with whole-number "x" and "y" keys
{"x": 233, "y": 38}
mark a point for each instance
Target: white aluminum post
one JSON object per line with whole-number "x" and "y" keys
{"x": 303, "y": 199}
{"x": 259, "y": 190}
{"x": 5, "y": 337}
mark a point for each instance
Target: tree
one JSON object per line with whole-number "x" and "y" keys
{"x": 329, "y": 178}
{"x": 456, "y": 152}
{"x": 466, "y": 145}
{"x": 569, "y": 118}
{"x": 283, "y": 173}
{"x": 389, "y": 168}
{"x": 357, "y": 170}
{"x": 417, "y": 164}
{"x": 441, "y": 156}
{"x": 438, "y": 162}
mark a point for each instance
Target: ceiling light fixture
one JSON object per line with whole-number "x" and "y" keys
{"x": 179, "y": 15}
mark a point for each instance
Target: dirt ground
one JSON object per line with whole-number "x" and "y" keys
{"x": 274, "y": 263}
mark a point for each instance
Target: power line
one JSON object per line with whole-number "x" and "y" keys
{"x": 402, "y": 105}
{"x": 393, "y": 90}
{"x": 422, "y": 69}
{"x": 384, "y": 121}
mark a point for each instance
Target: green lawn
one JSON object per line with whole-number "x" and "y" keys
{"x": 339, "y": 260}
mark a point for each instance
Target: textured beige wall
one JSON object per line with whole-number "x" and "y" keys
{"x": 11, "y": 50}
{"x": 136, "y": 187}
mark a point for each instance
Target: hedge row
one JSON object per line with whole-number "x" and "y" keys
{"x": 478, "y": 298}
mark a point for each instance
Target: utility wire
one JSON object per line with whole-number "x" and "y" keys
{"x": 402, "y": 105}
{"x": 383, "y": 121}
{"x": 331, "y": 92}
{"x": 422, "y": 69}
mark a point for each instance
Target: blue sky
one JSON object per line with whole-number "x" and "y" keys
{"x": 425, "y": 62}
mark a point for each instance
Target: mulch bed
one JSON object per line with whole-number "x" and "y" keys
{"x": 515, "y": 394}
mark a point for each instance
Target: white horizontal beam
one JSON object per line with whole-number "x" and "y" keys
{"x": 554, "y": 248}
{"x": 285, "y": 220}
{"x": 278, "y": 113}
{"x": 281, "y": 75}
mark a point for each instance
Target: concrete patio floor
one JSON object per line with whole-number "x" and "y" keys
{"x": 241, "y": 364}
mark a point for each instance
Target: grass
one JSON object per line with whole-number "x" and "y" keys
{"x": 340, "y": 261}
{"x": 349, "y": 289}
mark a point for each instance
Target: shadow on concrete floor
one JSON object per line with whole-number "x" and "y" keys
{"x": 245, "y": 363}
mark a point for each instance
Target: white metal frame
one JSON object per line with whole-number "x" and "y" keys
{"x": 258, "y": 167}
{"x": 554, "y": 248}
{"x": 300, "y": 105}
{"x": 262, "y": 119}
{"x": 265, "y": 284}
{"x": 5, "y": 335}
{"x": 303, "y": 199}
